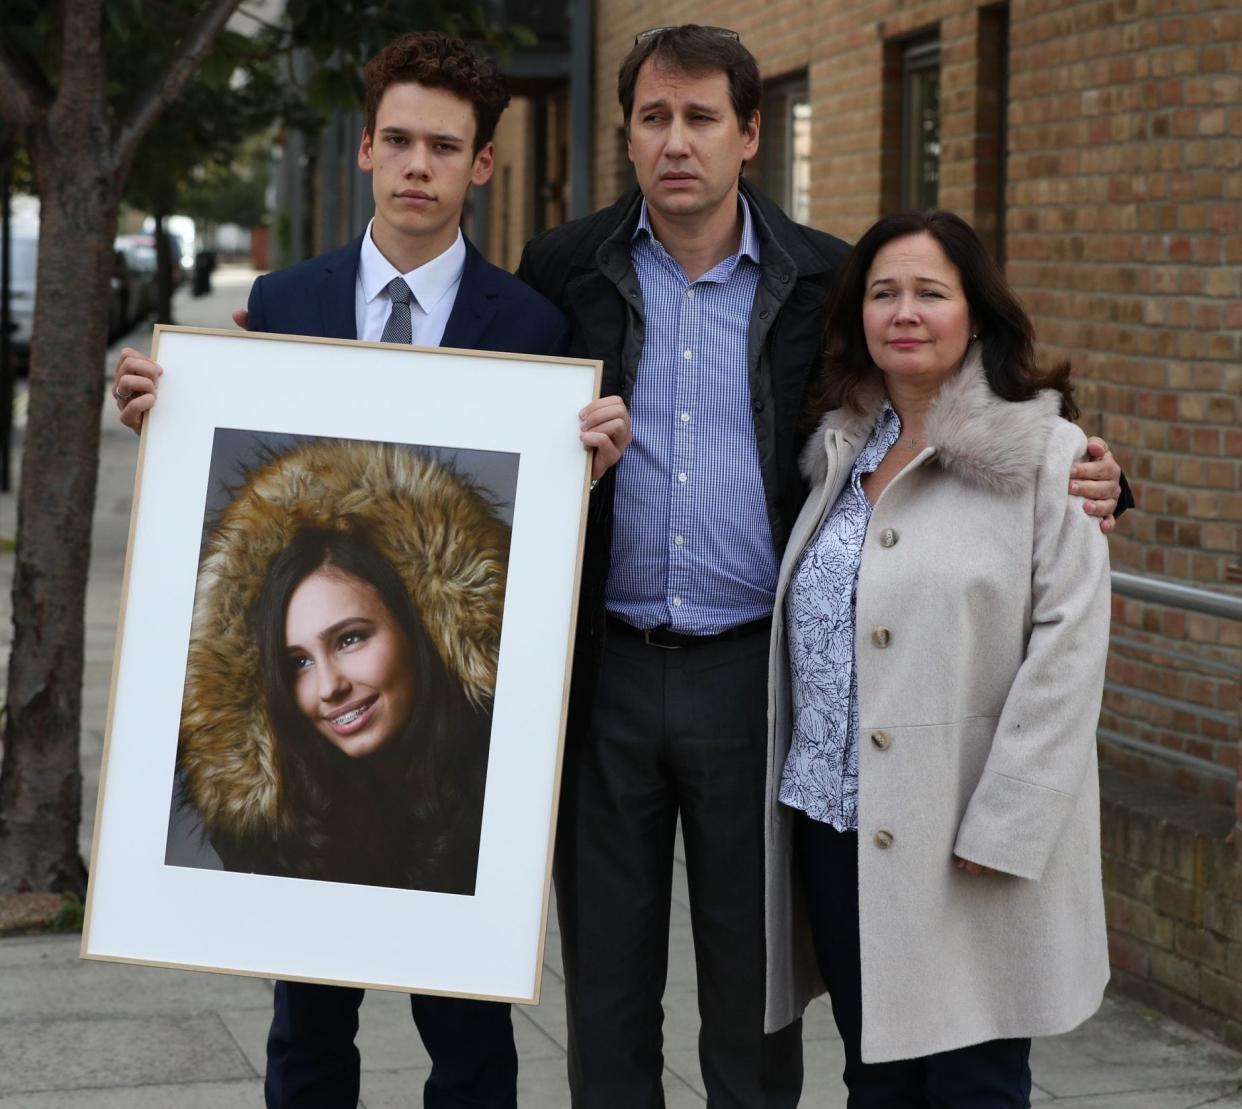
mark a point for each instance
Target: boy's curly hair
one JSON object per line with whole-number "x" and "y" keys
{"x": 440, "y": 61}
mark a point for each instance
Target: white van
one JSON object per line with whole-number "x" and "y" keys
{"x": 23, "y": 257}
{"x": 182, "y": 232}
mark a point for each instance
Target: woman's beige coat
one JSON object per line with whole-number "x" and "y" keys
{"x": 982, "y": 628}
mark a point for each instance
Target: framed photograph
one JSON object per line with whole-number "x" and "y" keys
{"x": 341, "y": 677}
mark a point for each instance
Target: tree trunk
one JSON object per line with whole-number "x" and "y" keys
{"x": 80, "y": 159}
{"x": 41, "y": 780}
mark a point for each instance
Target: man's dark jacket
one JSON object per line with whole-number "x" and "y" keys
{"x": 584, "y": 268}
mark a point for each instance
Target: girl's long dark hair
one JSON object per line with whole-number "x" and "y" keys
{"x": 1003, "y": 328}
{"x": 401, "y": 815}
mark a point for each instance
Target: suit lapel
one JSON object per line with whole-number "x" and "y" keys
{"x": 336, "y": 292}
{"x": 475, "y": 304}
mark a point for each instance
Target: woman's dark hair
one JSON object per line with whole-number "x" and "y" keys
{"x": 412, "y": 791}
{"x": 1004, "y": 331}
{"x": 693, "y": 49}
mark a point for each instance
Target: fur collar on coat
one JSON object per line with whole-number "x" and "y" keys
{"x": 990, "y": 442}
{"x": 440, "y": 533}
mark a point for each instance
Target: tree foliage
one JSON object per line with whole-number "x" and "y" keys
{"x": 230, "y": 192}
{"x": 207, "y": 125}
{"x": 338, "y": 38}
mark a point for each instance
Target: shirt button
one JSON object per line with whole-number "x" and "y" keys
{"x": 677, "y": 602}
{"x": 881, "y": 740}
{"x": 881, "y": 637}
{"x": 678, "y": 540}
{"x": 681, "y": 477}
{"x": 689, "y": 294}
{"x": 884, "y": 839}
{"x": 888, "y": 538}
{"x": 687, "y": 354}
{"x": 685, "y": 417}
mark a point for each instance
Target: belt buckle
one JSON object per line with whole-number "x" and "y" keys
{"x": 652, "y": 643}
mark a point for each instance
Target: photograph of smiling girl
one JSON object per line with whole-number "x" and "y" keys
{"x": 342, "y": 661}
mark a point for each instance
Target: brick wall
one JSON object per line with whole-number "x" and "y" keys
{"x": 1173, "y": 892}
{"x": 510, "y": 204}
{"x": 1118, "y": 215}
{"x": 1125, "y": 176}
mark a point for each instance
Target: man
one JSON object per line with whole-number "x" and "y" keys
{"x": 706, "y": 304}
{"x": 432, "y": 108}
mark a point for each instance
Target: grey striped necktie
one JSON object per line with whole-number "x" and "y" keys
{"x": 398, "y": 328}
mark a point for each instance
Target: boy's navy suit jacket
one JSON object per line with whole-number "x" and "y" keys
{"x": 493, "y": 310}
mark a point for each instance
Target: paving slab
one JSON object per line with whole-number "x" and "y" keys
{"x": 1127, "y": 1049}
{"x": 44, "y": 975}
{"x": 42, "y": 1054}
{"x": 541, "y": 1085}
{"x": 817, "y": 1023}
{"x": 248, "y": 1027}
{"x": 183, "y": 1095}
{"x": 1215, "y": 1095}
{"x": 549, "y": 1015}
{"x": 822, "y": 1085}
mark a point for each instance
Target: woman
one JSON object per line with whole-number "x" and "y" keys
{"x": 341, "y": 668}
{"x": 938, "y": 657}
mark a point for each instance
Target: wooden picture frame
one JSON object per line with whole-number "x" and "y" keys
{"x": 252, "y": 814}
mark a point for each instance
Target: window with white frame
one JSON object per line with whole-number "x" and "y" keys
{"x": 785, "y": 145}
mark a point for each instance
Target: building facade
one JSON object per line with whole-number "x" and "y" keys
{"x": 1097, "y": 147}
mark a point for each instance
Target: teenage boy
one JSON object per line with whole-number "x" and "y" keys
{"x": 432, "y": 108}
{"x": 706, "y": 304}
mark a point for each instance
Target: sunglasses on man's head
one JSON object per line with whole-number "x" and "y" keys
{"x": 723, "y": 32}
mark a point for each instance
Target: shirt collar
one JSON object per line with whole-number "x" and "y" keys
{"x": 428, "y": 282}
{"x": 748, "y": 247}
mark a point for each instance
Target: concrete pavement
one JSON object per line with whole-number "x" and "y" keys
{"x": 80, "y": 1035}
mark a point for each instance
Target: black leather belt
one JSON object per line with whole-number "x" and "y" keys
{"x": 670, "y": 640}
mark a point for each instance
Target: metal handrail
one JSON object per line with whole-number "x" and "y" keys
{"x": 1178, "y": 595}
{"x": 1165, "y": 754}
{"x": 1161, "y": 591}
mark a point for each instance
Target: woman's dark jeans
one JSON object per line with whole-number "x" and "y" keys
{"x": 991, "y": 1075}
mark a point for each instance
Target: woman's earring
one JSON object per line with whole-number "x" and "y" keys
{"x": 973, "y": 336}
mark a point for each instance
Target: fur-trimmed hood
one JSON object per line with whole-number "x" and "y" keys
{"x": 983, "y": 439}
{"x": 440, "y": 533}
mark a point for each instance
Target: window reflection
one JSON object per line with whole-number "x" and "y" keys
{"x": 920, "y": 161}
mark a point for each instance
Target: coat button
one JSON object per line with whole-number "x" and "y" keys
{"x": 881, "y": 636}
{"x": 882, "y": 741}
{"x": 884, "y": 839}
{"x": 764, "y": 314}
{"x": 757, "y": 405}
{"x": 888, "y": 538}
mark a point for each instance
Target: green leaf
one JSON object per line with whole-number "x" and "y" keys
{"x": 70, "y": 918}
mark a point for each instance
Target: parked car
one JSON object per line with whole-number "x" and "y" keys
{"x": 23, "y": 260}
{"x": 182, "y": 237}
{"x": 118, "y": 296}
{"x": 140, "y": 264}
